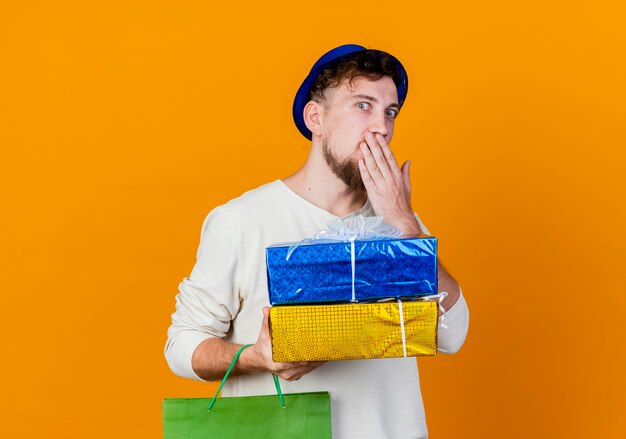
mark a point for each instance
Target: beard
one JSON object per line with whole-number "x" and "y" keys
{"x": 346, "y": 170}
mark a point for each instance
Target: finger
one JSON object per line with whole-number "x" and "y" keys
{"x": 368, "y": 181}
{"x": 296, "y": 377}
{"x": 266, "y": 317}
{"x": 406, "y": 175}
{"x": 283, "y": 367}
{"x": 294, "y": 364}
{"x": 370, "y": 163}
{"x": 295, "y": 373}
{"x": 301, "y": 373}
{"x": 290, "y": 371}
{"x": 388, "y": 153}
{"x": 377, "y": 153}
{"x": 316, "y": 364}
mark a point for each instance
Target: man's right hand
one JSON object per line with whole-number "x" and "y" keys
{"x": 259, "y": 357}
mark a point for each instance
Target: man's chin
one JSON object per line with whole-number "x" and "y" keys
{"x": 354, "y": 183}
{"x": 347, "y": 170}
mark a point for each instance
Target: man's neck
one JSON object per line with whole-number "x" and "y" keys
{"x": 316, "y": 183}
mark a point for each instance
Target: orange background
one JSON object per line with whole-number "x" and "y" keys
{"x": 124, "y": 123}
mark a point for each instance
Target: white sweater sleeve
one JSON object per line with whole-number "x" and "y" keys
{"x": 209, "y": 298}
{"x": 456, "y": 319}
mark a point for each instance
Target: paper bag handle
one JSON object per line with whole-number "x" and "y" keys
{"x": 232, "y": 364}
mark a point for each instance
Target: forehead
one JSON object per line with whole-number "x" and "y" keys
{"x": 383, "y": 89}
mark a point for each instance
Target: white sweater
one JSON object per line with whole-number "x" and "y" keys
{"x": 227, "y": 289}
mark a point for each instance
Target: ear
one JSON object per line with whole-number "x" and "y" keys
{"x": 312, "y": 117}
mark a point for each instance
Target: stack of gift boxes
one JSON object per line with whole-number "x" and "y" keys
{"x": 352, "y": 300}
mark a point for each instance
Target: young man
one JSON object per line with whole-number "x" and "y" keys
{"x": 347, "y": 107}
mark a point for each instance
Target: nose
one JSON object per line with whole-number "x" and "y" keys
{"x": 379, "y": 125}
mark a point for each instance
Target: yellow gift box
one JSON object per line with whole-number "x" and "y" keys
{"x": 353, "y": 331}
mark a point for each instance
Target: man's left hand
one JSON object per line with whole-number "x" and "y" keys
{"x": 388, "y": 187}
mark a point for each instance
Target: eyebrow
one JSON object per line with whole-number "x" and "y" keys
{"x": 373, "y": 99}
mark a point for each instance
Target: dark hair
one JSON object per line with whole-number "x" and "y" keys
{"x": 372, "y": 64}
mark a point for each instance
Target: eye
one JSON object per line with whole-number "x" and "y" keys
{"x": 392, "y": 113}
{"x": 363, "y": 105}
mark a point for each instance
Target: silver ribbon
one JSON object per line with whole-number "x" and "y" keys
{"x": 402, "y": 327}
{"x": 439, "y": 298}
{"x": 350, "y": 230}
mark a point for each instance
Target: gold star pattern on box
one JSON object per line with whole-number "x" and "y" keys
{"x": 353, "y": 331}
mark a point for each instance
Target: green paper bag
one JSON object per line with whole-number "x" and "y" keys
{"x": 298, "y": 415}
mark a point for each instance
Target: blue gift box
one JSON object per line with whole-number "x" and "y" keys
{"x": 318, "y": 272}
